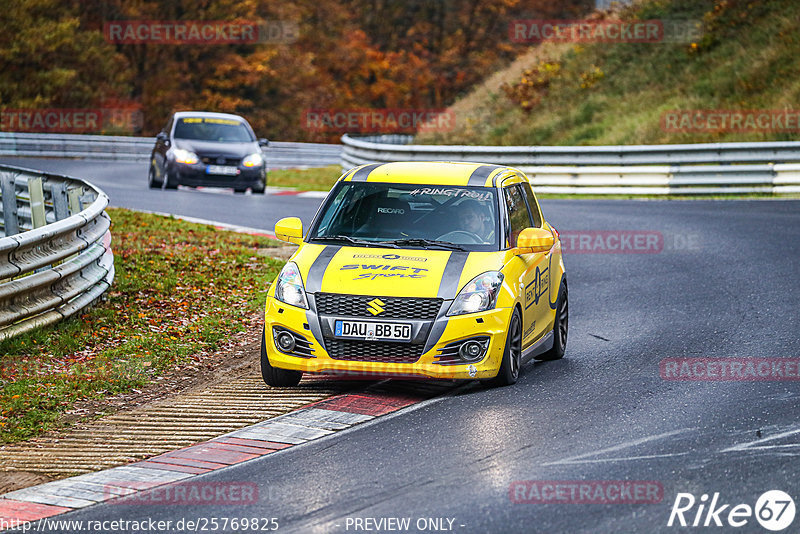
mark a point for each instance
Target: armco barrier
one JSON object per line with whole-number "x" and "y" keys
{"x": 710, "y": 168}
{"x": 55, "y": 248}
{"x": 108, "y": 147}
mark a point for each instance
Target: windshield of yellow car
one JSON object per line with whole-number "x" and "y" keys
{"x": 410, "y": 215}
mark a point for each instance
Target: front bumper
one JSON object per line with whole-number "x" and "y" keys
{"x": 195, "y": 175}
{"x": 492, "y": 324}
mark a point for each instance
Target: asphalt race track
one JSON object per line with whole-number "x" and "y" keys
{"x": 722, "y": 283}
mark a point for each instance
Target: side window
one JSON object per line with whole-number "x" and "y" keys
{"x": 536, "y": 216}
{"x": 518, "y": 217}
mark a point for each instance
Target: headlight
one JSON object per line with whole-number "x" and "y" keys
{"x": 185, "y": 156}
{"x": 478, "y": 295}
{"x": 253, "y": 160}
{"x": 289, "y": 286}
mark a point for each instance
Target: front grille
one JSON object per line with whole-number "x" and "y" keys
{"x": 395, "y": 307}
{"x": 213, "y": 160}
{"x": 373, "y": 351}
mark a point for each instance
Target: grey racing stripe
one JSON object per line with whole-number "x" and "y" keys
{"x": 448, "y": 287}
{"x": 361, "y": 174}
{"x": 317, "y": 271}
{"x": 479, "y": 175}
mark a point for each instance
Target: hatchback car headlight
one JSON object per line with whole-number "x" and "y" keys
{"x": 185, "y": 156}
{"x": 480, "y": 294}
{"x": 253, "y": 160}
{"x": 289, "y": 286}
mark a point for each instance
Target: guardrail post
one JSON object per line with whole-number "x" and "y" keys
{"x": 74, "y": 200}
{"x": 38, "y": 215}
{"x": 60, "y": 201}
{"x": 9, "y": 194}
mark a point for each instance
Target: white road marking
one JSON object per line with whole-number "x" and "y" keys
{"x": 754, "y": 445}
{"x": 627, "y": 444}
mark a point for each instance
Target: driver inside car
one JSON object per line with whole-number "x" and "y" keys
{"x": 474, "y": 218}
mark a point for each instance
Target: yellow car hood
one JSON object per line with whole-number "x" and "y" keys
{"x": 391, "y": 272}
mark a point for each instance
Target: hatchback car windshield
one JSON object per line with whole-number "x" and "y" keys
{"x": 410, "y": 215}
{"x": 212, "y": 129}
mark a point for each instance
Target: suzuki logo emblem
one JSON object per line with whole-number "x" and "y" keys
{"x": 375, "y": 306}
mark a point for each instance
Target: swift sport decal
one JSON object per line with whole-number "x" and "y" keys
{"x": 373, "y": 272}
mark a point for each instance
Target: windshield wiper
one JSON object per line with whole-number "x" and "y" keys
{"x": 351, "y": 240}
{"x": 417, "y": 241}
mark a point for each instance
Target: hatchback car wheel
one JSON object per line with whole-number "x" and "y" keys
{"x": 151, "y": 179}
{"x": 560, "y": 327}
{"x": 512, "y": 355}
{"x": 281, "y": 378}
{"x": 170, "y": 182}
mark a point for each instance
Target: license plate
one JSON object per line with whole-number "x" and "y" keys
{"x": 222, "y": 169}
{"x": 370, "y": 330}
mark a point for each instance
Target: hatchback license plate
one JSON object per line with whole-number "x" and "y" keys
{"x": 222, "y": 169}
{"x": 370, "y": 330}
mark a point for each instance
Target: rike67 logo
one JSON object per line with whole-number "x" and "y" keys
{"x": 774, "y": 510}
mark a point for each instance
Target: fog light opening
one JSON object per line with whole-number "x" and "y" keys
{"x": 285, "y": 341}
{"x": 471, "y": 351}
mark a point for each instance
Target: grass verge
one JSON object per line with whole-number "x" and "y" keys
{"x": 181, "y": 289}
{"x": 313, "y": 179}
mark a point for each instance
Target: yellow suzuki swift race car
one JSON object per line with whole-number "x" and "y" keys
{"x": 419, "y": 270}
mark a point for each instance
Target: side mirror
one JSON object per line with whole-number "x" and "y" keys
{"x": 162, "y": 136}
{"x": 263, "y": 142}
{"x": 289, "y": 229}
{"x": 533, "y": 240}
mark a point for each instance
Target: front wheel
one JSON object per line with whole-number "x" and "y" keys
{"x": 170, "y": 182}
{"x": 152, "y": 183}
{"x": 512, "y": 355}
{"x": 273, "y": 376}
{"x": 560, "y": 327}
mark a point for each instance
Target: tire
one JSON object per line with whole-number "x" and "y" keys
{"x": 512, "y": 355}
{"x": 239, "y": 190}
{"x": 170, "y": 182}
{"x": 560, "y": 327}
{"x": 259, "y": 189}
{"x": 273, "y": 376}
{"x": 152, "y": 183}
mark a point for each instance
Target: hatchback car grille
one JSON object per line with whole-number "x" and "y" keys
{"x": 373, "y": 351}
{"x": 393, "y": 307}
{"x": 212, "y": 160}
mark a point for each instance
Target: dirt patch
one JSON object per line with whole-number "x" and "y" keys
{"x": 14, "y": 480}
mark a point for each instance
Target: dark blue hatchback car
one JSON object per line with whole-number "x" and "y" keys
{"x": 208, "y": 149}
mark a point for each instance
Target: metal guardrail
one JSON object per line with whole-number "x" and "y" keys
{"x": 107, "y": 147}
{"x": 709, "y": 168}
{"x": 55, "y": 248}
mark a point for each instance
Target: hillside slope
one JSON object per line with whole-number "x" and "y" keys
{"x": 746, "y": 56}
